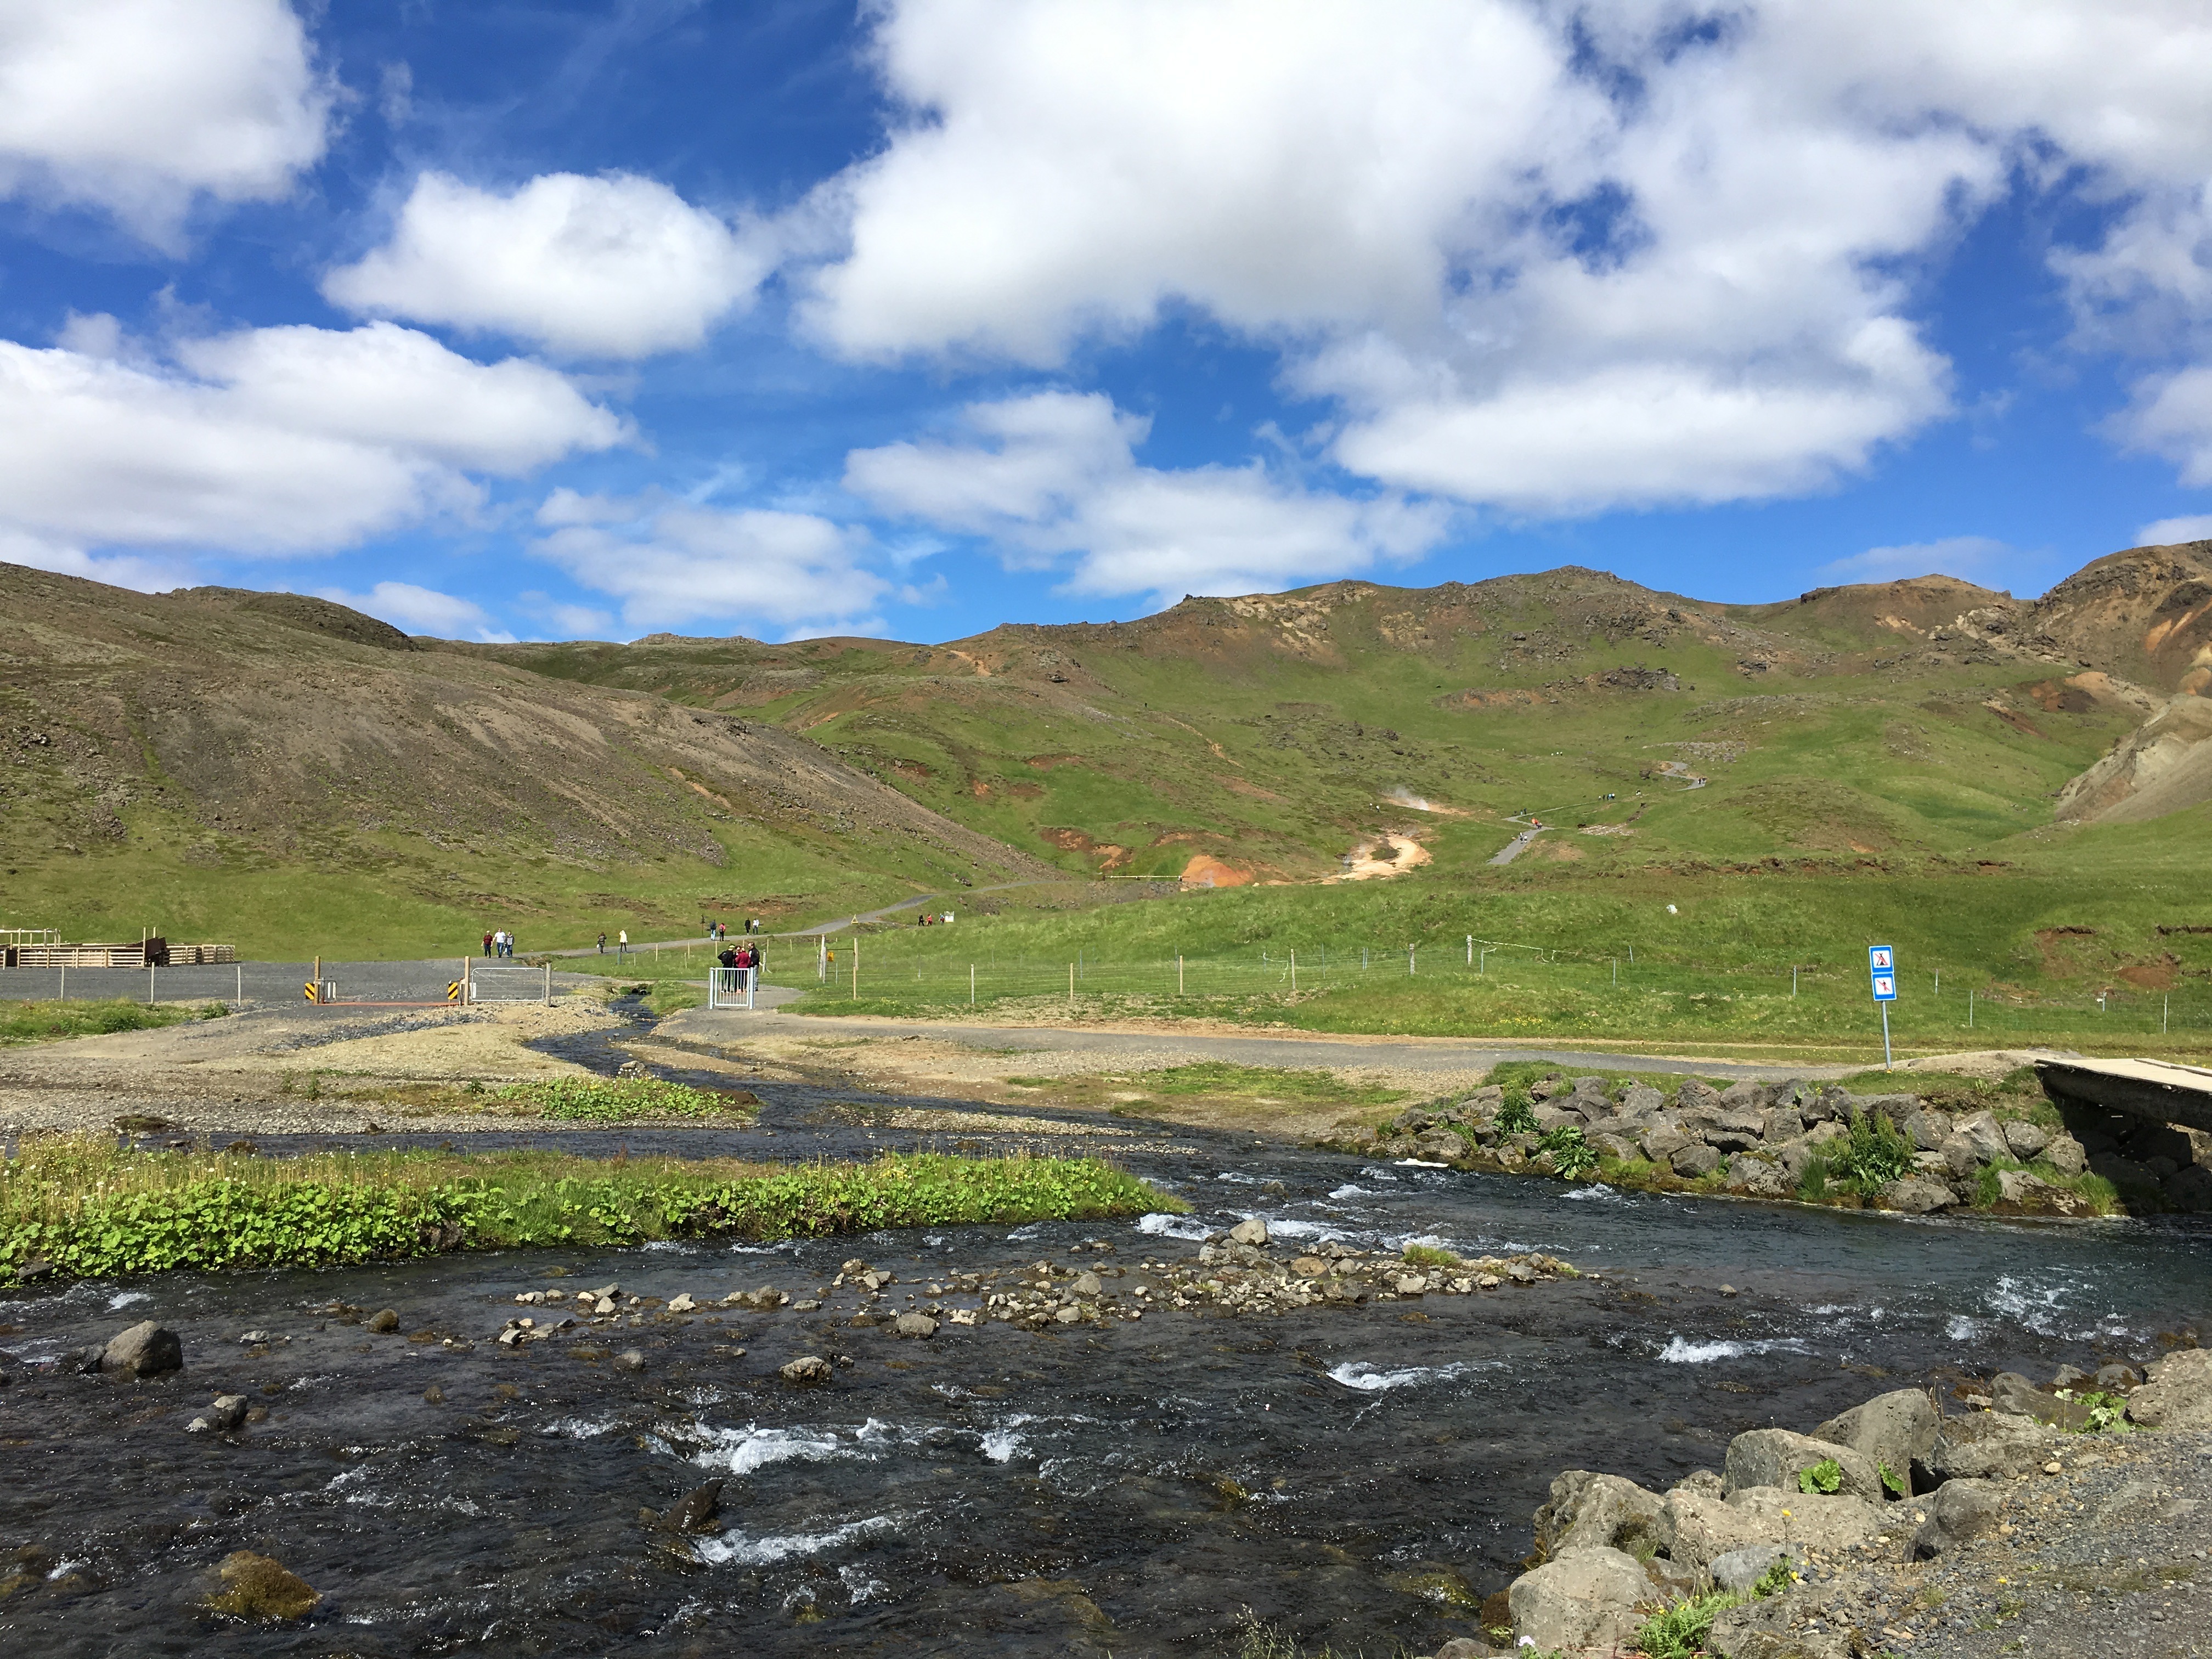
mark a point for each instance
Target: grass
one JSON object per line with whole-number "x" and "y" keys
{"x": 51, "y": 1021}
{"x": 91, "y": 1210}
{"x": 1680, "y": 1631}
{"x": 1601, "y": 961}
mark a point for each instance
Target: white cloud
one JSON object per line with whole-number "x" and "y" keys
{"x": 1054, "y": 474}
{"x": 1555, "y": 259}
{"x": 2162, "y": 533}
{"x": 618, "y": 266}
{"x": 670, "y": 564}
{"x": 1968, "y": 557}
{"x": 422, "y": 611}
{"x": 2171, "y": 416}
{"x": 136, "y": 105}
{"x": 270, "y": 440}
{"x": 148, "y": 576}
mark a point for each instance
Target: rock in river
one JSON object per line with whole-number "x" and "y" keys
{"x": 915, "y": 1324}
{"x": 228, "y": 1412}
{"x": 144, "y": 1350}
{"x": 809, "y": 1371}
{"x": 1253, "y": 1232}
{"x": 258, "y": 1587}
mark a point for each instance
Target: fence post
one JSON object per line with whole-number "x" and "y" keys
{"x": 1409, "y": 960}
{"x": 1970, "y": 1008}
{"x": 1470, "y": 950}
{"x": 1178, "y": 973}
{"x": 1294, "y": 973}
{"x": 548, "y": 985}
{"x": 856, "y": 965}
{"x": 240, "y": 997}
{"x": 971, "y": 985}
{"x": 1071, "y": 985}
{"x": 150, "y": 985}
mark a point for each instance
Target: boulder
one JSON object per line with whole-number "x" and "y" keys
{"x": 629, "y": 1359}
{"x": 1898, "y": 1429}
{"x": 1587, "y": 1598}
{"x": 1736, "y": 1132}
{"x": 918, "y": 1325}
{"x": 1618, "y": 1147}
{"x": 1550, "y": 1117}
{"x": 1917, "y": 1196}
{"x": 2013, "y": 1394}
{"x": 1693, "y": 1161}
{"x": 2190, "y": 1189}
{"x": 1986, "y": 1135}
{"x": 1796, "y": 1155}
{"x": 809, "y": 1371}
{"x": 1747, "y": 1096}
{"x": 1990, "y": 1445}
{"x": 2117, "y": 1378}
{"x": 1960, "y": 1154}
{"x": 1926, "y": 1129}
{"x": 1697, "y": 1527}
{"x": 1254, "y": 1232}
{"x": 701, "y": 1510}
{"x": 2026, "y": 1139}
{"x": 2178, "y": 1393}
{"x": 144, "y": 1350}
{"x": 1588, "y": 1510}
{"x": 1438, "y": 1145}
{"x": 1827, "y": 1526}
{"x": 1759, "y": 1177}
{"x": 1641, "y": 1100}
{"x": 2122, "y": 1172}
{"x": 1739, "y": 1569}
{"x": 228, "y": 1412}
{"x": 1831, "y": 1104}
{"x": 1662, "y": 1142}
{"x": 2065, "y": 1154}
{"x": 260, "y": 1588}
{"x": 1774, "y": 1457}
{"x": 383, "y": 1321}
{"x": 1695, "y": 1097}
{"x": 1957, "y": 1511}
{"x": 2031, "y": 1192}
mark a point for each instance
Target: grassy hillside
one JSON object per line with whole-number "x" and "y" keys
{"x": 1266, "y": 737}
{"x": 289, "y": 776}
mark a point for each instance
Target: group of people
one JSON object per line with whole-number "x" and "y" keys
{"x": 933, "y": 919}
{"x": 740, "y": 956}
{"x": 499, "y": 943}
{"x": 720, "y": 930}
{"x": 621, "y": 940}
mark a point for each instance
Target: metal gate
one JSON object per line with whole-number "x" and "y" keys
{"x": 731, "y": 987}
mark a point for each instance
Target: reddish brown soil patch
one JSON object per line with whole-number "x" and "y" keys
{"x": 2018, "y": 721}
{"x": 1207, "y": 871}
{"x": 2160, "y": 975}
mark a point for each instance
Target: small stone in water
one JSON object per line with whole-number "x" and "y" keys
{"x": 253, "y": 1337}
{"x": 386, "y": 1320}
{"x": 1253, "y": 1232}
{"x": 809, "y": 1370}
{"x": 629, "y": 1359}
{"x": 144, "y": 1350}
{"x": 255, "y": 1587}
{"x": 682, "y": 1304}
{"x": 434, "y": 1396}
{"x": 915, "y": 1324}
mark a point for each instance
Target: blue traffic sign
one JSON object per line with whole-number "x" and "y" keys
{"x": 1882, "y": 965}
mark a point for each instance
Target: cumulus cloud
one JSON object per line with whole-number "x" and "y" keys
{"x": 671, "y": 564}
{"x": 1054, "y": 475}
{"x": 422, "y": 611}
{"x": 137, "y": 105}
{"x": 269, "y": 440}
{"x": 2192, "y": 527}
{"x": 1555, "y": 260}
{"x": 1968, "y": 557}
{"x": 618, "y": 266}
{"x": 148, "y": 576}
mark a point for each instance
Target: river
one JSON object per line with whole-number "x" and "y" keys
{"x": 1359, "y": 1475}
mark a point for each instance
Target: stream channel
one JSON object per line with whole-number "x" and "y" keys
{"x": 1357, "y": 1475}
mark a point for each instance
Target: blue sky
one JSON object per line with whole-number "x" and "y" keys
{"x": 559, "y": 320}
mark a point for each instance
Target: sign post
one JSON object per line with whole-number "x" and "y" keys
{"x": 1881, "y": 967}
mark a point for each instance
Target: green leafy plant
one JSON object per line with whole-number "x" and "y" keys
{"x": 92, "y": 1209}
{"x": 2108, "y": 1413}
{"x": 1517, "y": 1117}
{"x": 1429, "y": 1256}
{"x": 1812, "y": 1185}
{"x": 1775, "y": 1580}
{"x": 1680, "y": 1631}
{"x": 1823, "y": 1479}
{"x": 1894, "y": 1480}
{"x": 1874, "y": 1154}
{"x": 1572, "y": 1156}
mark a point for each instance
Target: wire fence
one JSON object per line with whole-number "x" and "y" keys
{"x": 1513, "y": 982}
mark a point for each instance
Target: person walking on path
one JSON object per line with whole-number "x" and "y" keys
{"x": 603, "y": 941}
{"x": 621, "y": 940}
{"x": 487, "y": 943}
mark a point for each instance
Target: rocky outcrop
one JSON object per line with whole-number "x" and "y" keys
{"x": 2164, "y": 765}
{"x": 1957, "y": 1511}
